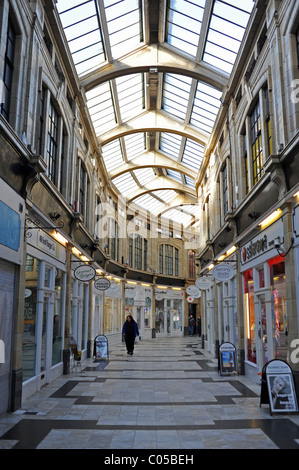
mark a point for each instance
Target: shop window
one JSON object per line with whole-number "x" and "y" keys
{"x": 279, "y": 310}
{"x": 249, "y": 316}
{"x": 261, "y": 278}
{"x": 29, "y": 329}
{"x": 8, "y": 70}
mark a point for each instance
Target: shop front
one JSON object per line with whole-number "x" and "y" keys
{"x": 112, "y": 318}
{"x": 138, "y": 303}
{"x": 169, "y": 311}
{"x": 12, "y": 209}
{"x": 264, "y": 299}
{"x": 44, "y": 311}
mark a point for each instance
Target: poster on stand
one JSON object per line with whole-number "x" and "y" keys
{"x": 227, "y": 359}
{"x": 281, "y": 389}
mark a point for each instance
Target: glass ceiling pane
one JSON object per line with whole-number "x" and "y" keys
{"x": 183, "y": 26}
{"x": 130, "y": 92}
{"x": 176, "y": 91}
{"x": 150, "y": 203}
{"x": 189, "y": 182}
{"x": 124, "y": 24}
{"x": 144, "y": 175}
{"x": 206, "y": 106}
{"x": 226, "y": 31}
{"x": 112, "y": 155}
{"x": 170, "y": 144}
{"x": 81, "y": 26}
{"x": 101, "y": 109}
{"x": 178, "y": 216}
{"x": 175, "y": 175}
{"x": 166, "y": 195}
{"x": 125, "y": 184}
{"x": 193, "y": 154}
{"x": 134, "y": 145}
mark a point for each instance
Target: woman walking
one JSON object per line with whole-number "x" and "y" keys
{"x": 130, "y": 331}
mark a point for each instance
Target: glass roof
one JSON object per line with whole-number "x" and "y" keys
{"x": 102, "y": 33}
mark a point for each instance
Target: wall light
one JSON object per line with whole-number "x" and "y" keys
{"x": 272, "y": 218}
{"x": 76, "y": 252}
{"x": 231, "y": 250}
{"x": 296, "y": 194}
{"x": 59, "y": 238}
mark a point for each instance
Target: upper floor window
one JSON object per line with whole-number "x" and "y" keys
{"x": 168, "y": 260}
{"x": 81, "y": 197}
{"x": 191, "y": 263}
{"x": 268, "y": 121}
{"x": 225, "y": 189}
{"x": 52, "y": 139}
{"x": 113, "y": 239}
{"x": 137, "y": 252}
{"x": 245, "y": 160}
{"x": 8, "y": 70}
{"x": 256, "y": 143}
{"x": 297, "y": 42}
{"x": 52, "y": 143}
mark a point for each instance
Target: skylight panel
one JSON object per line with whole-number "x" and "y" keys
{"x": 184, "y": 21}
{"x": 144, "y": 175}
{"x": 178, "y": 216}
{"x": 112, "y": 155}
{"x": 130, "y": 91}
{"x": 170, "y": 144}
{"x": 134, "y": 145}
{"x": 125, "y": 184}
{"x": 226, "y": 31}
{"x": 189, "y": 181}
{"x": 206, "y": 106}
{"x": 150, "y": 203}
{"x": 81, "y": 26}
{"x": 193, "y": 154}
{"x": 175, "y": 175}
{"x": 101, "y": 108}
{"x": 124, "y": 24}
{"x": 176, "y": 91}
{"x": 166, "y": 195}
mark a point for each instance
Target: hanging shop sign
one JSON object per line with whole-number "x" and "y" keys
{"x": 102, "y": 283}
{"x": 193, "y": 291}
{"x": 203, "y": 283}
{"x": 84, "y": 273}
{"x": 227, "y": 359}
{"x": 278, "y": 388}
{"x": 223, "y": 272}
{"x": 190, "y": 299}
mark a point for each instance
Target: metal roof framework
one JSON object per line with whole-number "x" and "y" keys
{"x": 153, "y": 72}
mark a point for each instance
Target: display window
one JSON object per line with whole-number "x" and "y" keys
{"x": 249, "y": 315}
{"x": 278, "y": 308}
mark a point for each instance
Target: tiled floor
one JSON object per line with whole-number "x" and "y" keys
{"x": 168, "y": 395}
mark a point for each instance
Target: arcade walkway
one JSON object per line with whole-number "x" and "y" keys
{"x": 168, "y": 395}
